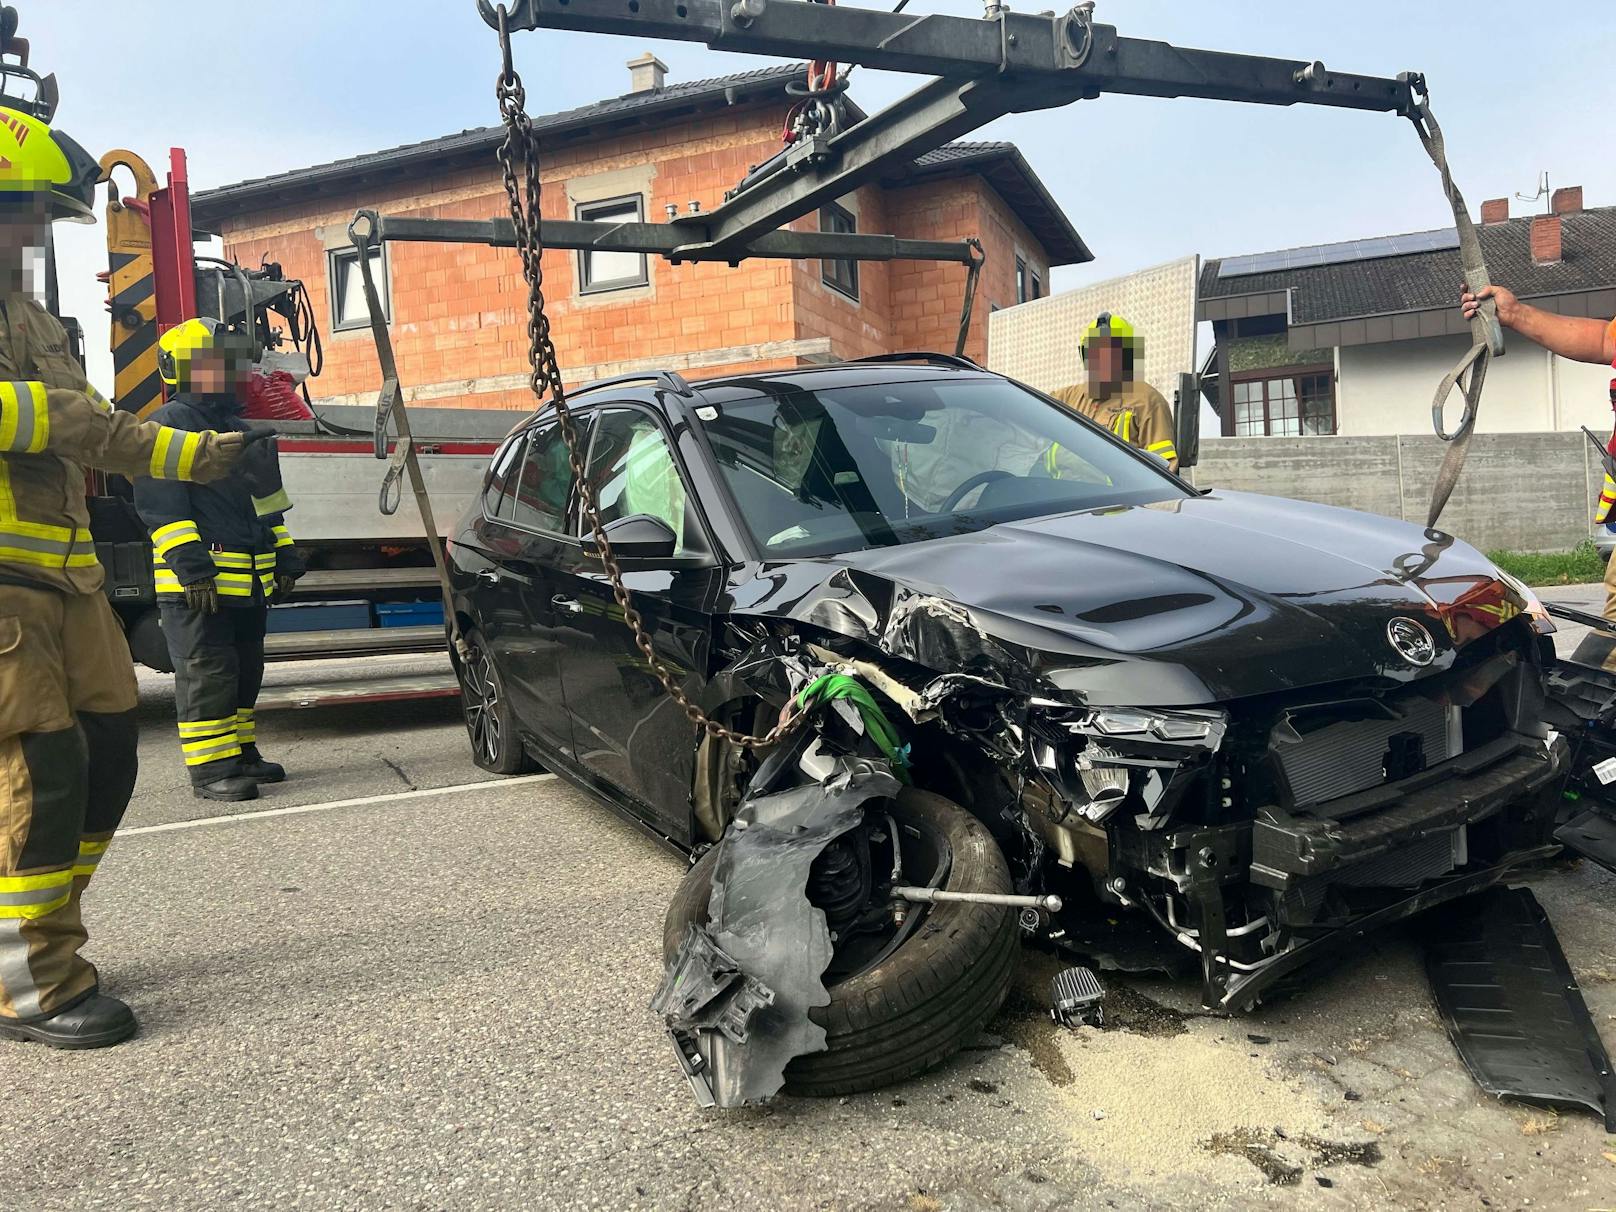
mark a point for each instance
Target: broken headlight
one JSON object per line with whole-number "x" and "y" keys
{"x": 1137, "y": 723}
{"x": 1542, "y": 624}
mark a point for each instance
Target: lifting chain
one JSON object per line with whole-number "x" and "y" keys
{"x": 525, "y": 193}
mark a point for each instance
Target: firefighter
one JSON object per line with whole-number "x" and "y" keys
{"x": 67, "y": 683}
{"x": 1582, "y": 340}
{"x": 221, "y": 553}
{"x": 1132, "y": 410}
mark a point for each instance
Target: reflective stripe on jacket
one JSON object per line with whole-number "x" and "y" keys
{"x": 54, "y": 425}
{"x": 232, "y": 531}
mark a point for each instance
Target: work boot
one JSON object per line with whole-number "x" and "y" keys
{"x": 258, "y": 770}
{"x": 236, "y": 787}
{"x": 96, "y": 1022}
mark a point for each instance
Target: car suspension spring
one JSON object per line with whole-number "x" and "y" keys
{"x": 839, "y": 882}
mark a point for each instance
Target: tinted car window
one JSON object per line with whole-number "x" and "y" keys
{"x": 822, "y": 472}
{"x": 502, "y": 478}
{"x": 633, "y": 471}
{"x": 542, "y": 498}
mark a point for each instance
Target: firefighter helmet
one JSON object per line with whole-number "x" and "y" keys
{"x": 202, "y": 334}
{"x": 36, "y": 160}
{"x": 1109, "y": 327}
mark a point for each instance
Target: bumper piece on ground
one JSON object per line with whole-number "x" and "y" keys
{"x": 1592, "y": 834}
{"x": 1512, "y": 1006}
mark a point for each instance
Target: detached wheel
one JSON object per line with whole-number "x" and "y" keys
{"x": 495, "y": 744}
{"x": 926, "y": 1000}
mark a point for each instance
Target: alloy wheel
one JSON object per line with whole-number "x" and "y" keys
{"x": 481, "y": 702}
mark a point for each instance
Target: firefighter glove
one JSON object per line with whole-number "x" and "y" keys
{"x": 203, "y": 596}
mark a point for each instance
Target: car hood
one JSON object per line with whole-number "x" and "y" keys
{"x": 1180, "y": 602}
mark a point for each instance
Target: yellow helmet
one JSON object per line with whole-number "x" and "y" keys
{"x": 197, "y": 335}
{"x": 36, "y": 160}
{"x": 1109, "y": 327}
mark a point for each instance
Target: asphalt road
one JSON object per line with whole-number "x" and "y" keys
{"x": 395, "y": 983}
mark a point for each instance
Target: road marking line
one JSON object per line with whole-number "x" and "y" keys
{"x": 298, "y": 809}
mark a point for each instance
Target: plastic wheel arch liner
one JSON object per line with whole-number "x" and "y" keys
{"x": 761, "y": 919}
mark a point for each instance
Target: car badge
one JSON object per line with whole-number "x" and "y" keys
{"x": 1411, "y": 641}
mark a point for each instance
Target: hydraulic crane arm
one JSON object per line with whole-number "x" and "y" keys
{"x": 1070, "y": 55}
{"x": 986, "y": 68}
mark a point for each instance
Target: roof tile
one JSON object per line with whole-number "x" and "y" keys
{"x": 1424, "y": 281}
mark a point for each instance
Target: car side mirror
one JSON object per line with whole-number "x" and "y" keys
{"x": 1187, "y": 421}
{"x": 640, "y": 536}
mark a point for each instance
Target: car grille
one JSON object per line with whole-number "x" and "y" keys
{"x": 1341, "y": 758}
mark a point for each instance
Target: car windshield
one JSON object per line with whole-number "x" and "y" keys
{"x": 845, "y": 468}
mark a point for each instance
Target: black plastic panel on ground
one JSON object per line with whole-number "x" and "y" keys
{"x": 1512, "y": 1006}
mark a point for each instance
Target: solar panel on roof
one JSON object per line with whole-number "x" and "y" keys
{"x": 1339, "y": 254}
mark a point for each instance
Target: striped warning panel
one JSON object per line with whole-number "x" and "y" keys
{"x": 138, "y": 389}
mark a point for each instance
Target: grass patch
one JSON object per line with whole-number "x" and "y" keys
{"x": 1581, "y": 564}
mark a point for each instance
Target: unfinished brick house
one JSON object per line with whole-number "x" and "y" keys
{"x": 458, "y": 312}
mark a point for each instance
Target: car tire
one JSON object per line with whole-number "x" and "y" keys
{"x": 927, "y": 999}
{"x": 147, "y": 643}
{"x": 495, "y": 743}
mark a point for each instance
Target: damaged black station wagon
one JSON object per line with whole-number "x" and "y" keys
{"x": 1044, "y": 668}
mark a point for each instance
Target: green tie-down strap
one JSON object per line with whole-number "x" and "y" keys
{"x": 829, "y": 686}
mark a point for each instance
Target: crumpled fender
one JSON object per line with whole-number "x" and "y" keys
{"x": 762, "y": 924}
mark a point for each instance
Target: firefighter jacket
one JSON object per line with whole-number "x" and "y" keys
{"x": 233, "y": 531}
{"x": 1137, "y": 414}
{"x": 53, "y": 426}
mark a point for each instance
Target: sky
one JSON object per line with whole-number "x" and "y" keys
{"x": 250, "y": 89}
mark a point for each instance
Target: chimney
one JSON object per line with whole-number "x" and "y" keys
{"x": 1546, "y": 240}
{"x": 1495, "y": 210}
{"x": 1567, "y": 201}
{"x": 646, "y": 74}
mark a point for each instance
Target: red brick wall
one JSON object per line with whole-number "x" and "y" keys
{"x": 926, "y": 297}
{"x": 459, "y": 311}
{"x": 856, "y": 329}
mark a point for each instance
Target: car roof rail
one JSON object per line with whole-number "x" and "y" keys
{"x": 663, "y": 378}
{"x": 919, "y": 355}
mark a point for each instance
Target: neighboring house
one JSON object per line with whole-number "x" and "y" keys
{"x": 458, "y": 312}
{"x": 1353, "y": 338}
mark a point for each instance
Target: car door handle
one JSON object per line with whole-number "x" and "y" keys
{"x": 567, "y": 605}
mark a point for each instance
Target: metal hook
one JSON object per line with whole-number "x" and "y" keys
{"x": 508, "y": 69}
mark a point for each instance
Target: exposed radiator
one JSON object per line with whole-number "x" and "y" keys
{"x": 1341, "y": 758}
{"x": 1406, "y": 867}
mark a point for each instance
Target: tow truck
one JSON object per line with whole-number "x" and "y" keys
{"x": 370, "y": 589}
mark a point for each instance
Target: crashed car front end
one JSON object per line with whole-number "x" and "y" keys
{"x": 1261, "y": 828}
{"x": 1263, "y": 834}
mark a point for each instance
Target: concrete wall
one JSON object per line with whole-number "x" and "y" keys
{"x": 1522, "y": 492}
{"x": 1387, "y": 389}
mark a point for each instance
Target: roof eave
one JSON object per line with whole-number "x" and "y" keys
{"x": 210, "y": 206}
{"x": 1060, "y": 238}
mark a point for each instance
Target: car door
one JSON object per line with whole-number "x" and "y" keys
{"x": 527, "y": 512}
{"x": 628, "y": 731}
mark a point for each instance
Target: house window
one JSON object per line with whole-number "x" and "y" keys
{"x": 1037, "y": 285}
{"x": 598, "y": 271}
{"x": 1021, "y": 280}
{"x": 347, "y": 286}
{"x": 839, "y": 273}
{"x": 1301, "y": 401}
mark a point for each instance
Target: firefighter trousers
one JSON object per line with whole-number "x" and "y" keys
{"x": 218, "y": 671}
{"x": 67, "y": 770}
